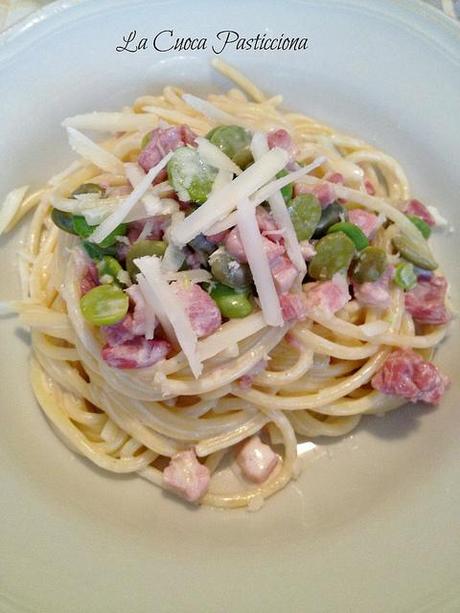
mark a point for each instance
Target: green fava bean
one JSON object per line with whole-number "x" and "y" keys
{"x": 330, "y": 215}
{"x": 97, "y": 253}
{"x": 190, "y": 177}
{"x": 405, "y": 276}
{"x": 88, "y": 188}
{"x": 334, "y": 253}
{"x": 232, "y": 304}
{"x": 232, "y": 140}
{"x": 230, "y": 272}
{"x": 63, "y": 220}
{"x": 109, "y": 266}
{"x": 415, "y": 252}
{"x": 353, "y": 232}
{"x": 421, "y": 225}
{"x": 305, "y": 212}
{"x": 84, "y": 230}
{"x": 138, "y": 250}
{"x": 370, "y": 266}
{"x": 104, "y": 305}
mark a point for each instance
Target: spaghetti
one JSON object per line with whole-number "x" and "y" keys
{"x": 315, "y": 347}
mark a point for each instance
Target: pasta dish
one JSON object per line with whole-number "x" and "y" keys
{"x": 218, "y": 280}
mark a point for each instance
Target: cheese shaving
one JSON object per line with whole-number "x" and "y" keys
{"x": 214, "y": 156}
{"x": 258, "y": 263}
{"x": 171, "y": 308}
{"x": 94, "y": 153}
{"x": 224, "y": 177}
{"x": 11, "y": 205}
{"x": 259, "y": 147}
{"x": 135, "y": 174}
{"x": 222, "y": 202}
{"x": 112, "y": 122}
{"x": 118, "y": 216}
{"x": 264, "y": 193}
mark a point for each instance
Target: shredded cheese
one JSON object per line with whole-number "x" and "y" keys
{"x": 135, "y": 174}
{"x": 264, "y": 193}
{"x": 11, "y": 205}
{"x": 112, "y": 122}
{"x": 171, "y": 309}
{"x": 213, "y": 156}
{"x": 222, "y": 202}
{"x": 224, "y": 177}
{"x": 118, "y": 216}
{"x": 94, "y": 153}
{"x": 259, "y": 147}
{"x": 258, "y": 263}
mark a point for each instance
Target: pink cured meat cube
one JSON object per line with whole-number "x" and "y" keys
{"x": 164, "y": 140}
{"x": 201, "y": 309}
{"x": 426, "y": 302}
{"x": 256, "y": 460}
{"x": 405, "y": 373}
{"x": 136, "y": 353}
{"x": 186, "y": 476}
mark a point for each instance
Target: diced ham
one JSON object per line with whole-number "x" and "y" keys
{"x": 164, "y": 140}
{"x": 217, "y": 238}
{"x": 325, "y": 192}
{"x": 267, "y": 225}
{"x": 336, "y": 177}
{"x": 377, "y": 293}
{"x": 405, "y": 373}
{"x": 235, "y": 248}
{"x": 281, "y": 138}
{"x": 426, "y": 302}
{"x": 307, "y": 249}
{"x": 256, "y": 460}
{"x": 284, "y": 273}
{"x": 136, "y": 353}
{"x": 186, "y": 476}
{"x": 368, "y": 186}
{"x": 293, "y": 307}
{"x": 415, "y": 207}
{"x": 368, "y": 222}
{"x": 119, "y": 333}
{"x": 200, "y": 308}
{"x": 89, "y": 279}
{"x": 327, "y": 297}
{"x": 157, "y": 224}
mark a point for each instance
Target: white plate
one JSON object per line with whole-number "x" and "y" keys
{"x": 373, "y": 522}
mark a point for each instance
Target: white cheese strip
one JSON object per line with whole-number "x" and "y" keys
{"x": 210, "y": 111}
{"x": 259, "y": 147}
{"x": 224, "y": 177}
{"x": 94, "y": 153}
{"x": 155, "y": 308}
{"x": 174, "y": 256}
{"x": 11, "y": 205}
{"x": 264, "y": 193}
{"x": 118, "y": 216}
{"x": 222, "y": 202}
{"x": 258, "y": 263}
{"x": 213, "y": 156}
{"x": 135, "y": 174}
{"x": 172, "y": 310}
{"x": 112, "y": 122}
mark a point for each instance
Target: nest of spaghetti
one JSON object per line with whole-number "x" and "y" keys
{"x": 218, "y": 281}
